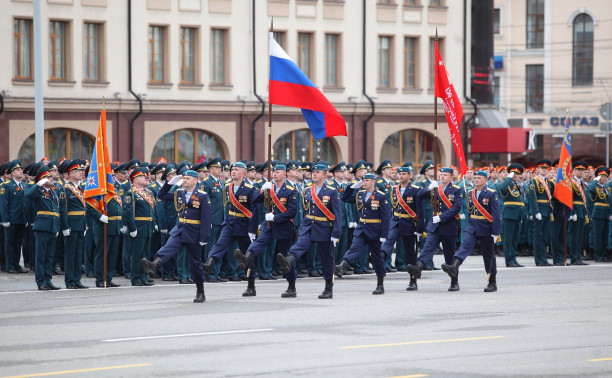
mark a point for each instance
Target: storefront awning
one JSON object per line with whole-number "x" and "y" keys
{"x": 498, "y": 140}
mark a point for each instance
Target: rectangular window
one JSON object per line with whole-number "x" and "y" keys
{"x": 535, "y": 88}
{"x": 432, "y": 59}
{"x": 22, "y": 53}
{"x": 331, "y": 60}
{"x": 410, "y": 2}
{"x": 496, "y": 90}
{"x": 157, "y": 51}
{"x": 304, "y": 46}
{"x": 436, "y": 3}
{"x": 535, "y": 24}
{"x": 217, "y": 56}
{"x": 57, "y": 50}
{"x": 187, "y": 55}
{"x": 279, "y": 37}
{"x": 496, "y": 21}
{"x": 91, "y": 51}
{"x": 384, "y": 61}
{"x": 410, "y": 45}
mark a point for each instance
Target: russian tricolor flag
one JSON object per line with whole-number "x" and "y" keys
{"x": 289, "y": 86}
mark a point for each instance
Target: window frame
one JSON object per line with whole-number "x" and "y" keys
{"x": 226, "y": 57}
{"x": 66, "y": 51}
{"x": 391, "y": 60}
{"x": 196, "y": 148}
{"x": 17, "y": 49}
{"x": 68, "y": 138}
{"x": 415, "y": 73}
{"x": 538, "y": 85}
{"x": 311, "y": 143}
{"x": 581, "y": 48}
{"x": 164, "y": 54}
{"x": 101, "y": 51}
{"x": 311, "y": 39}
{"x": 432, "y": 58}
{"x": 419, "y": 135}
{"x": 539, "y": 26}
{"x": 196, "y": 55}
{"x": 337, "y": 61}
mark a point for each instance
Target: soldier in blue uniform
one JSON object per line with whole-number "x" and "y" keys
{"x": 484, "y": 227}
{"x": 372, "y": 228}
{"x": 339, "y": 182}
{"x": 510, "y": 190}
{"x": 361, "y": 262}
{"x": 443, "y": 226}
{"x": 600, "y": 216}
{"x": 540, "y": 196}
{"x": 427, "y": 172}
{"x": 13, "y": 213}
{"x": 139, "y": 218}
{"x": 578, "y": 216}
{"x": 156, "y": 239}
{"x": 406, "y": 222}
{"x": 242, "y": 218}
{"x": 384, "y": 184}
{"x": 278, "y": 225}
{"x": 72, "y": 223}
{"x": 192, "y": 230}
{"x": 321, "y": 225}
{"x": 46, "y": 226}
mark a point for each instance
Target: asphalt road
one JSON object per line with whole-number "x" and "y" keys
{"x": 553, "y": 321}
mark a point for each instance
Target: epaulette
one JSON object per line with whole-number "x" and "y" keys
{"x": 153, "y": 185}
{"x": 492, "y": 190}
{"x": 201, "y": 191}
{"x": 381, "y": 192}
{"x": 331, "y": 187}
{"x": 228, "y": 181}
{"x": 207, "y": 177}
{"x": 456, "y": 186}
{"x": 31, "y": 182}
{"x": 308, "y": 184}
{"x": 379, "y": 181}
{"x": 248, "y": 185}
{"x": 289, "y": 186}
{"x": 423, "y": 180}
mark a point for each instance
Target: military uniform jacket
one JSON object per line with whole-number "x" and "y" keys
{"x": 538, "y": 197}
{"x": 426, "y": 203}
{"x": 464, "y": 189}
{"x": 194, "y": 214}
{"x": 513, "y": 199}
{"x": 321, "y": 230}
{"x": 600, "y": 195}
{"x": 12, "y": 200}
{"x": 214, "y": 189}
{"x": 155, "y": 187}
{"x": 299, "y": 214}
{"x": 246, "y": 195}
{"x": 46, "y": 204}
{"x": 478, "y": 225}
{"x": 374, "y": 214}
{"x": 407, "y": 225}
{"x": 139, "y": 211}
{"x": 114, "y": 211}
{"x": 347, "y": 212}
{"x": 72, "y": 204}
{"x": 579, "y": 203}
{"x": 448, "y": 224}
{"x": 282, "y": 227}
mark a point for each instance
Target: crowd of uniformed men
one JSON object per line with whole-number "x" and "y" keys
{"x": 177, "y": 222}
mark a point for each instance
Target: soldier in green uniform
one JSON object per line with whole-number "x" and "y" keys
{"x": 600, "y": 195}
{"x": 13, "y": 215}
{"x": 46, "y": 226}
{"x": 139, "y": 217}
{"x": 510, "y": 191}
{"x": 578, "y": 216}
{"x": 427, "y": 171}
{"x": 541, "y": 190}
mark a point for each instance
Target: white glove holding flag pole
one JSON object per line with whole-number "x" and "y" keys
{"x": 418, "y": 236}
{"x": 42, "y": 182}
{"x": 352, "y": 224}
{"x": 574, "y": 217}
{"x": 357, "y": 185}
{"x": 461, "y": 216}
{"x": 123, "y": 229}
{"x": 202, "y": 244}
{"x": 270, "y": 217}
{"x": 538, "y": 216}
{"x": 267, "y": 186}
{"x": 6, "y": 224}
{"x": 436, "y": 219}
{"x": 494, "y": 238}
{"x": 251, "y": 236}
{"x": 134, "y": 233}
{"x": 66, "y": 232}
{"x": 103, "y": 218}
{"x": 382, "y": 240}
{"x": 175, "y": 180}
{"x": 334, "y": 241}
{"x": 434, "y": 184}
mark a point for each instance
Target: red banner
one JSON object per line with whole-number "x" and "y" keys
{"x": 452, "y": 107}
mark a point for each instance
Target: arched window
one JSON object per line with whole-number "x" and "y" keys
{"x": 409, "y": 145}
{"x": 583, "y": 50}
{"x": 301, "y": 146}
{"x": 59, "y": 143}
{"x": 187, "y": 144}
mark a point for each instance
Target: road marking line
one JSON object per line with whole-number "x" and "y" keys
{"x": 601, "y": 359}
{"x": 421, "y": 342}
{"x": 411, "y": 376}
{"x": 78, "y": 371}
{"x": 189, "y": 335}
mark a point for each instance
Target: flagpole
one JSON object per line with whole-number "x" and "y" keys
{"x": 436, "y": 204}
{"x": 104, "y": 208}
{"x": 269, "y": 135}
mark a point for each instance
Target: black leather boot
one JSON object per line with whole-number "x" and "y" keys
{"x": 286, "y": 263}
{"x": 452, "y": 270}
{"x": 243, "y": 260}
{"x": 454, "y": 285}
{"x": 199, "y": 298}
{"x": 412, "y": 285}
{"x": 492, "y": 286}
{"x": 290, "y": 292}
{"x": 250, "y": 291}
{"x": 328, "y": 292}
{"x": 150, "y": 267}
{"x": 380, "y": 288}
{"x": 415, "y": 270}
{"x": 340, "y": 268}
{"x": 209, "y": 265}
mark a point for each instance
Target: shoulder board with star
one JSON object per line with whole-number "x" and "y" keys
{"x": 492, "y": 190}
{"x": 330, "y": 187}
{"x": 228, "y": 181}
{"x": 379, "y": 181}
{"x": 289, "y": 186}
{"x": 206, "y": 178}
{"x": 456, "y": 186}
{"x": 248, "y": 185}
{"x": 201, "y": 191}
{"x": 308, "y": 184}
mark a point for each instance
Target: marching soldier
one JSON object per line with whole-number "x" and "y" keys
{"x": 601, "y": 215}
{"x": 339, "y": 182}
{"x": 579, "y": 215}
{"x": 427, "y": 172}
{"x": 372, "y": 228}
{"x": 361, "y": 262}
{"x": 483, "y": 226}
{"x": 443, "y": 226}
{"x": 510, "y": 190}
{"x": 466, "y": 185}
{"x": 541, "y": 190}
{"x": 12, "y": 210}
{"x": 384, "y": 184}
{"x": 321, "y": 225}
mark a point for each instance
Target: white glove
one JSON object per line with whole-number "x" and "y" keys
{"x": 57, "y": 233}
{"x": 511, "y": 175}
{"x": 334, "y": 241}
{"x": 6, "y": 224}
{"x": 175, "y": 179}
{"x": 597, "y": 178}
{"x": 494, "y": 238}
{"x": 574, "y": 217}
{"x": 461, "y": 216}
{"x": 202, "y": 244}
{"x": 531, "y": 217}
{"x": 434, "y": 184}
{"x": 164, "y": 231}
{"x": 382, "y": 240}
{"x": 538, "y": 216}
{"x": 42, "y": 182}
{"x": 27, "y": 224}
{"x": 436, "y": 219}
{"x": 357, "y": 185}
{"x": 123, "y": 229}
{"x": 267, "y": 186}
{"x": 103, "y": 218}
{"x": 179, "y": 183}
{"x": 352, "y": 224}
{"x": 251, "y": 236}
{"x": 156, "y": 228}
{"x": 270, "y": 217}
{"x": 610, "y": 218}
{"x": 418, "y": 236}
{"x": 134, "y": 233}
{"x": 66, "y": 232}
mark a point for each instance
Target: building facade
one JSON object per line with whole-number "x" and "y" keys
{"x": 187, "y": 79}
